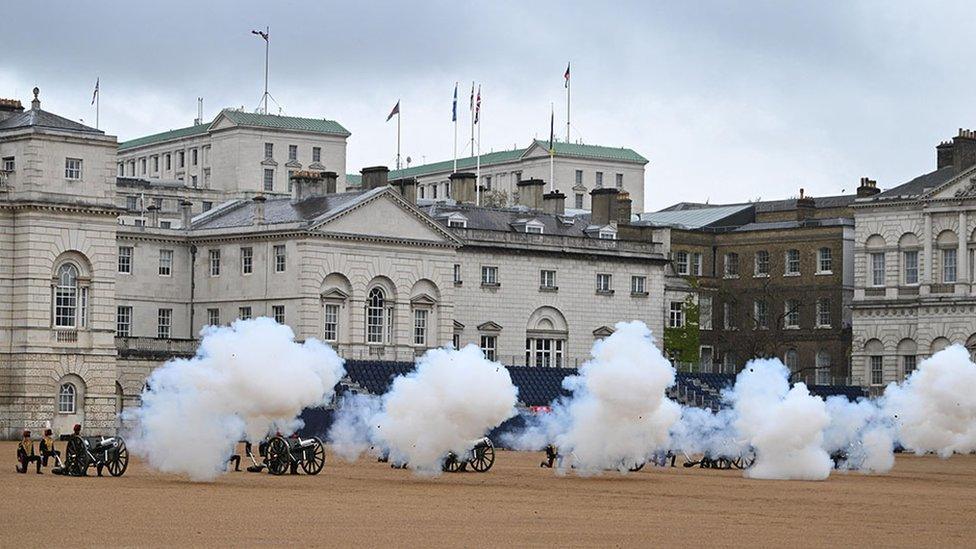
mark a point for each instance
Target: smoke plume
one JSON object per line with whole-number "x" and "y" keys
{"x": 245, "y": 380}
{"x": 452, "y": 399}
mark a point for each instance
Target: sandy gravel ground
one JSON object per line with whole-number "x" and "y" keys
{"x": 925, "y": 501}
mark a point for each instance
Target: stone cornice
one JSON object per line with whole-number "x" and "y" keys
{"x": 63, "y": 207}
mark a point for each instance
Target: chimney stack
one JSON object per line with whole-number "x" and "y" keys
{"x": 306, "y": 184}
{"x": 603, "y": 204}
{"x": 186, "y": 214}
{"x": 624, "y": 207}
{"x": 943, "y": 155}
{"x": 407, "y": 187}
{"x": 153, "y": 215}
{"x": 330, "y": 181}
{"x": 806, "y": 207}
{"x": 868, "y": 187}
{"x": 464, "y": 188}
{"x": 10, "y": 107}
{"x": 530, "y": 193}
{"x": 964, "y": 150}
{"x": 375, "y": 177}
{"x": 554, "y": 203}
{"x": 259, "y": 209}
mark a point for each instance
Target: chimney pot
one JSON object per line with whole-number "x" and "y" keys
{"x": 554, "y": 203}
{"x": 259, "y": 201}
{"x": 464, "y": 188}
{"x": 186, "y": 214}
{"x": 530, "y": 193}
{"x": 375, "y": 177}
{"x": 603, "y": 204}
{"x": 407, "y": 187}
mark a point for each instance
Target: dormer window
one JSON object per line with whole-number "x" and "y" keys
{"x": 457, "y": 221}
{"x": 533, "y": 229}
{"x": 608, "y": 234}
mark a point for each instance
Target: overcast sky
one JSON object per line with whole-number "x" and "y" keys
{"x": 729, "y": 100}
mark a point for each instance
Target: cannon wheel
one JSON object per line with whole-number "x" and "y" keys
{"x": 636, "y": 467}
{"x": 314, "y": 458}
{"x": 451, "y": 463}
{"x": 279, "y": 457}
{"x": 482, "y": 458}
{"x": 76, "y": 457}
{"x": 744, "y": 461}
{"x": 118, "y": 460}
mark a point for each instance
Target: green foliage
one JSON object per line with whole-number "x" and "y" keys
{"x": 684, "y": 343}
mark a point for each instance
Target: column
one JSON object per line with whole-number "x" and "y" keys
{"x": 962, "y": 254}
{"x": 927, "y": 254}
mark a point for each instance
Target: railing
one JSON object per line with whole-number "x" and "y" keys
{"x": 942, "y": 288}
{"x": 558, "y": 241}
{"x": 66, "y": 336}
{"x": 155, "y": 348}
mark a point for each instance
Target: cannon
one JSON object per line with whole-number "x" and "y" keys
{"x": 283, "y": 454}
{"x": 82, "y": 452}
{"x": 744, "y": 460}
{"x": 480, "y": 457}
{"x": 554, "y": 458}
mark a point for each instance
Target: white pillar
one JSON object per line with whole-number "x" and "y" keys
{"x": 927, "y": 252}
{"x": 962, "y": 256}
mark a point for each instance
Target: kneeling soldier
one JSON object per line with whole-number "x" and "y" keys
{"x": 25, "y": 454}
{"x": 47, "y": 449}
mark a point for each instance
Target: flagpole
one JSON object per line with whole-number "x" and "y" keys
{"x": 98, "y": 100}
{"x": 471, "y": 151}
{"x": 398, "y": 136}
{"x": 267, "y": 46}
{"x": 552, "y": 150}
{"x": 477, "y": 177}
{"x": 455, "y": 126}
{"x": 568, "y": 85}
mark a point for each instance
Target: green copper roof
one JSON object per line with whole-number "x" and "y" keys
{"x": 354, "y": 179}
{"x": 562, "y": 149}
{"x": 249, "y": 119}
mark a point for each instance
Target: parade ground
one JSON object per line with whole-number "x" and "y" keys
{"x": 924, "y": 500}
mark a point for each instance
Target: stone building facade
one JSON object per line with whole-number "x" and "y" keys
{"x": 914, "y": 267}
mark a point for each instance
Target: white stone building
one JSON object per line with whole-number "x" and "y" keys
{"x": 914, "y": 268}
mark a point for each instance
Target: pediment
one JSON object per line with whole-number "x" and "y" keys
{"x": 316, "y": 166}
{"x": 423, "y": 299}
{"x": 269, "y": 162}
{"x": 222, "y": 122}
{"x": 603, "y": 331}
{"x": 335, "y": 294}
{"x": 489, "y": 327}
{"x": 535, "y": 150}
{"x": 458, "y": 327}
{"x": 385, "y": 215}
{"x": 293, "y": 164}
{"x": 962, "y": 186}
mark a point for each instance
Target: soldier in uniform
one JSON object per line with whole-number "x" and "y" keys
{"x": 26, "y": 455}
{"x": 552, "y": 454}
{"x": 48, "y": 450}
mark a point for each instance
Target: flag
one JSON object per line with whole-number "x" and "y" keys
{"x": 95, "y": 94}
{"x": 472, "y": 97}
{"x": 566, "y": 76}
{"x": 454, "y": 106}
{"x": 477, "y": 106}
{"x": 552, "y": 131}
{"x": 396, "y": 110}
{"x": 262, "y": 34}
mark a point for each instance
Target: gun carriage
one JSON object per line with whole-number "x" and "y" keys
{"x": 83, "y": 452}
{"x": 480, "y": 457}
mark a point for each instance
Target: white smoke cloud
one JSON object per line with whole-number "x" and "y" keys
{"x": 245, "y": 380}
{"x": 859, "y": 435}
{"x": 935, "y": 408}
{"x": 452, "y": 399}
{"x": 618, "y": 413}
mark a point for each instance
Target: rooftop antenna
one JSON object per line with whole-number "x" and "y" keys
{"x": 199, "y": 119}
{"x": 266, "y": 35}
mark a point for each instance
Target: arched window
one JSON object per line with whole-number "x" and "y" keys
{"x": 375, "y": 303}
{"x": 823, "y": 368}
{"x": 66, "y": 305}
{"x": 792, "y": 360}
{"x": 67, "y": 399}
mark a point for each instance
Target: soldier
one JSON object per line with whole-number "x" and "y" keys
{"x": 48, "y": 450}
{"x": 26, "y": 455}
{"x": 552, "y": 454}
{"x": 100, "y": 464}
{"x": 235, "y": 458}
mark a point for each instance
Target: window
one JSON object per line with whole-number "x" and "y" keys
{"x": 489, "y": 276}
{"x": 433, "y": 191}
{"x": 123, "y": 321}
{"x": 728, "y": 316}
{"x": 676, "y": 315}
{"x": 761, "y": 267}
{"x": 544, "y": 352}
{"x": 823, "y": 368}
{"x": 489, "y": 345}
{"x": 269, "y": 150}
{"x": 547, "y": 279}
{"x": 316, "y": 154}
{"x": 823, "y": 312}
{"x": 681, "y": 262}
{"x": 207, "y": 205}
{"x": 165, "y": 262}
{"x": 125, "y": 259}
{"x": 457, "y": 223}
{"x": 792, "y": 360}
{"x": 487, "y": 184}
{"x": 704, "y": 312}
{"x": 793, "y": 262}
{"x": 165, "y": 224}
{"x": 375, "y": 304}
{"x": 206, "y": 178}
{"x": 420, "y": 327}
{"x": 139, "y": 222}
{"x": 155, "y": 164}
{"x": 278, "y": 313}
{"x": 456, "y": 340}
{"x": 279, "y": 255}
{"x": 579, "y": 201}
{"x": 292, "y": 152}
{"x": 131, "y": 203}
{"x": 761, "y": 313}
{"x": 268, "y": 179}
{"x": 331, "y": 332}
{"x": 877, "y": 269}
{"x": 825, "y": 261}
{"x": 244, "y": 313}
{"x": 213, "y": 317}
{"x": 792, "y": 313}
{"x": 608, "y": 235}
{"x": 193, "y": 181}
{"x": 877, "y": 370}
{"x": 247, "y": 260}
{"x": 214, "y": 262}
{"x": 164, "y": 323}
{"x": 168, "y": 162}
{"x": 620, "y": 180}
{"x": 949, "y": 265}
{"x": 420, "y": 191}
{"x": 908, "y": 363}
{"x": 732, "y": 265}
{"x": 193, "y": 157}
{"x": 599, "y": 180}
{"x": 72, "y": 168}
{"x": 579, "y": 177}
{"x": 142, "y": 166}
{"x": 638, "y": 285}
{"x": 457, "y": 273}
{"x": 66, "y": 399}
{"x": 696, "y": 264}
{"x": 158, "y": 202}
{"x": 604, "y": 283}
{"x": 911, "y": 267}
{"x": 9, "y": 164}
